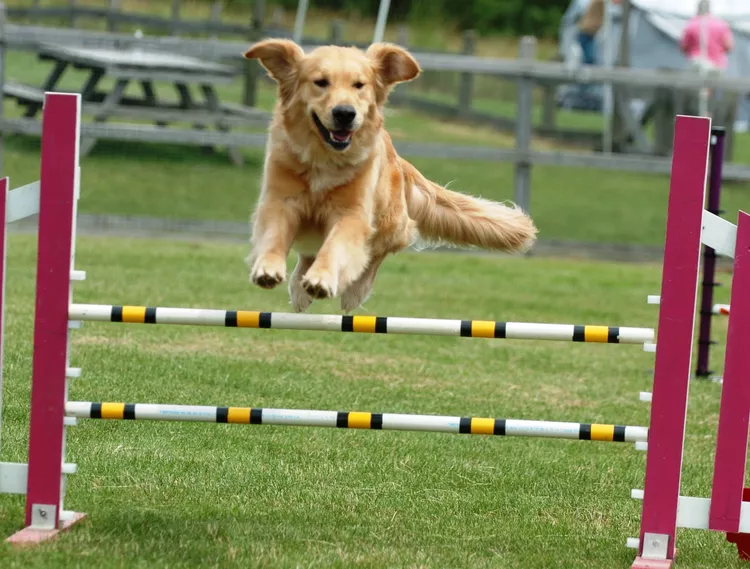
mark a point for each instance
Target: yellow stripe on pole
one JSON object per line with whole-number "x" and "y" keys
{"x": 602, "y": 432}
{"x": 364, "y": 324}
{"x": 359, "y": 420}
{"x": 134, "y": 314}
{"x": 482, "y": 329}
{"x": 238, "y": 415}
{"x": 248, "y": 319}
{"x": 113, "y": 410}
{"x": 596, "y": 334}
{"x": 482, "y": 426}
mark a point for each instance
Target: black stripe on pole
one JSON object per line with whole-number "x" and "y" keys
{"x": 264, "y": 320}
{"x": 464, "y": 425}
{"x": 381, "y": 325}
{"x": 584, "y": 432}
{"x": 129, "y": 411}
{"x": 376, "y": 421}
{"x": 613, "y": 336}
{"x": 150, "y": 317}
{"x": 342, "y": 419}
{"x": 256, "y": 416}
{"x": 579, "y": 333}
{"x": 499, "y": 427}
{"x": 116, "y": 315}
{"x": 347, "y": 323}
{"x": 222, "y": 414}
{"x": 466, "y": 328}
{"x": 96, "y": 411}
{"x": 619, "y": 436}
{"x": 230, "y": 318}
{"x": 500, "y": 329}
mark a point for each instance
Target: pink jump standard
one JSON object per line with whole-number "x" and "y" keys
{"x": 57, "y": 213}
{"x": 674, "y": 343}
{"x": 731, "y": 441}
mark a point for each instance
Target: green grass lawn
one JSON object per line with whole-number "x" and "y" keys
{"x": 188, "y": 495}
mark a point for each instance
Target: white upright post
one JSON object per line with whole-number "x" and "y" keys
{"x": 385, "y": 6}
{"x": 299, "y": 21}
{"x": 607, "y": 106}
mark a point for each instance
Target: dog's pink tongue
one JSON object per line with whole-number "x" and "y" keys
{"x": 341, "y": 136}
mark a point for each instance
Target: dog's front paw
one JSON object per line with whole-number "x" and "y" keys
{"x": 268, "y": 273}
{"x": 318, "y": 286}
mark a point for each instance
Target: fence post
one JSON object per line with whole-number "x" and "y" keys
{"x": 336, "y": 32}
{"x": 252, "y": 68}
{"x": 34, "y": 7}
{"x": 549, "y": 106}
{"x": 72, "y": 6}
{"x": 216, "y": 8}
{"x": 175, "y": 30}
{"x": 299, "y": 21}
{"x": 114, "y": 9}
{"x": 524, "y": 110}
{"x": 619, "y": 94}
{"x": 277, "y": 19}
{"x": 466, "y": 86}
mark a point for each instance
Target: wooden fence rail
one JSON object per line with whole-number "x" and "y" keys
{"x": 526, "y": 71}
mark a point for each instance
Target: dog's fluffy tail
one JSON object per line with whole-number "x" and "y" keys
{"x": 447, "y": 217}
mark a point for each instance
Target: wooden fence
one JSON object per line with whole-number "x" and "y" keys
{"x": 527, "y": 72}
{"x": 463, "y": 87}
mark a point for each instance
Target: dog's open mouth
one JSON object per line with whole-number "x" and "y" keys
{"x": 337, "y": 139}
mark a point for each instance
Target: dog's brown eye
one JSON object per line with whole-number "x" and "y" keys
{"x": 359, "y": 85}
{"x": 322, "y": 82}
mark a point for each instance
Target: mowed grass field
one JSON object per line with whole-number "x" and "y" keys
{"x": 177, "y": 495}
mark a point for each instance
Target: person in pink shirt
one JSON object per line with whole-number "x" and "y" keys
{"x": 707, "y": 40}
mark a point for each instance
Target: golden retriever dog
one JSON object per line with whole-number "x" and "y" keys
{"x": 335, "y": 190}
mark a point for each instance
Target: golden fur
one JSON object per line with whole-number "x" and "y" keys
{"x": 344, "y": 206}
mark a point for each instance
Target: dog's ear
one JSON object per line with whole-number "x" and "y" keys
{"x": 280, "y": 57}
{"x": 392, "y": 63}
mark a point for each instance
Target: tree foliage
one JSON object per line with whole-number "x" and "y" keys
{"x": 516, "y": 17}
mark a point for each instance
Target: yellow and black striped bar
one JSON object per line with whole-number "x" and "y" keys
{"x": 581, "y": 333}
{"x": 363, "y": 324}
{"x": 357, "y": 420}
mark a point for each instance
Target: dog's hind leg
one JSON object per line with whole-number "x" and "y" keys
{"x": 359, "y": 291}
{"x": 300, "y": 300}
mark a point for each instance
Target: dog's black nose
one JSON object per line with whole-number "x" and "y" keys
{"x": 343, "y": 115}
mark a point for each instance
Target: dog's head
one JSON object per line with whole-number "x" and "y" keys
{"x": 338, "y": 92}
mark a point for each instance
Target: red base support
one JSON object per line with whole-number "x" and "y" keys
{"x": 742, "y": 540}
{"x": 28, "y": 536}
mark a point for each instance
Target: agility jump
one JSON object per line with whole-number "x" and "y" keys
{"x": 361, "y": 324}
{"x": 43, "y": 479}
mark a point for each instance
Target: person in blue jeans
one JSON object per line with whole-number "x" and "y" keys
{"x": 588, "y": 47}
{"x": 588, "y": 26}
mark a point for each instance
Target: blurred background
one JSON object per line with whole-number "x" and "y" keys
{"x": 566, "y": 107}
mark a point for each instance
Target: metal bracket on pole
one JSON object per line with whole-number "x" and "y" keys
{"x": 43, "y": 517}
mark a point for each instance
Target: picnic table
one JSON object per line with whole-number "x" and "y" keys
{"x": 110, "y": 72}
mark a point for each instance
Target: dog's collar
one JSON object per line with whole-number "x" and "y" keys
{"x": 326, "y": 134}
